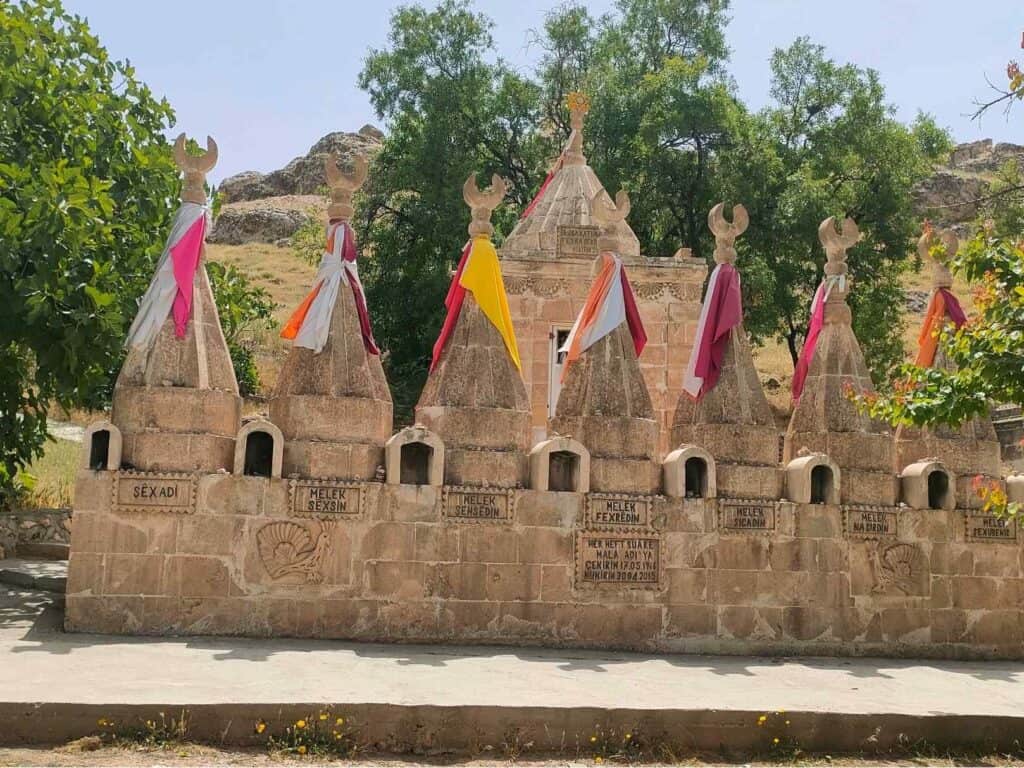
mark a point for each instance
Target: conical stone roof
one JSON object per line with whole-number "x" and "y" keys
{"x": 560, "y": 225}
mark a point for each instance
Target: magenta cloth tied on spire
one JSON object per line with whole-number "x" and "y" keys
{"x": 803, "y": 365}
{"x": 185, "y": 257}
{"x": 721, "y": 312}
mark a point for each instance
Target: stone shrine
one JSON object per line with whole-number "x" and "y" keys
{"x": 464, "y": 528}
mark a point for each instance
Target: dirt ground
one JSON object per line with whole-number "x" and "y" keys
{"x": 187, "y": 755}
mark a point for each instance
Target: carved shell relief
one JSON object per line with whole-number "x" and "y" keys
{"x": 294, "y": 551}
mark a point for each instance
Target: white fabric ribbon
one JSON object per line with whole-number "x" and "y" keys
{"x": 610, "y": 316}
{"x": 158, "y": 299}
{"x": 334, "y": 271}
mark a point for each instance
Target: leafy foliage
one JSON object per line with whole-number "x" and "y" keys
{"x": 87, "y": 189}
{"x": 988, "y": 351}
{"x": 86, "y": 181}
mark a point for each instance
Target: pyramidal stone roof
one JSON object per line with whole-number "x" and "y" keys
{"x": 560, "y": 225}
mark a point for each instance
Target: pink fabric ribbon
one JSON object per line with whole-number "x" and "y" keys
{"x": 953, "y": 309}
{"x": 725, "y": 312}
{"x": 185, "y": 258}
{"x": 811, "y": 342}
{"x": 636, "y": 326}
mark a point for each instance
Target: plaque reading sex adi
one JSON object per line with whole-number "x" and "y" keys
{"x": 154, "y": 492}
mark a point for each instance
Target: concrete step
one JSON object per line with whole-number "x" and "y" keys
{"x": 42, "y": 550}
{"x": 35, "y": 574}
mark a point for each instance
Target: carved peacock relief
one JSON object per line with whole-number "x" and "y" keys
{"x": 289, "y": 549}
{"x": 898, "y": 566}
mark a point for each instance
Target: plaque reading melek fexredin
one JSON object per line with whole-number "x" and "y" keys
{"x": 616, "y": 558}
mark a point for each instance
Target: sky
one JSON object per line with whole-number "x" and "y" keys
{"x": 267, "y": 78}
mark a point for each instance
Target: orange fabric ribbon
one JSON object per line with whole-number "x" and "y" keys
{"x": 291, "y": 328}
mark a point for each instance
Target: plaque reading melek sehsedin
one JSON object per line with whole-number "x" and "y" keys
{"x": 624, "y": 559}
{"x": 467, "y": 504}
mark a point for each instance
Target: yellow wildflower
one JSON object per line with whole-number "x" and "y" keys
{"x": 300, "y": 723}
{"x": 337, "y": 736}
{"x": 599, "y": 759}
{"x": 629, "y": 736}
{"x": 593, "y": 739}
{"x": 101, "y": 722}
{"x": 775, "y": 740}
{"x": 302, "y": 749}
{"x": 323, "y": 715}
{"x": 261, "y": 727}
{"x": 787, "y": 722}
{"x": 762, "y": 718}
{"x": 340, "y": 721}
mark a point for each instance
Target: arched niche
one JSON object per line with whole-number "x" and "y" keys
{"x": 928, "y": 484}
{"x": 414, "y": 456}
{"x": 101, "y": 447}
{"x": 690, "y": 473}
{"x": 1015, "y": 487}
{"x": 813, "y": 479}
{"x": 259, "y": 449}
{"x": 560, "y": 464}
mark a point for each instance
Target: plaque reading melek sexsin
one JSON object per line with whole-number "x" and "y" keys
{"x": 613, "y": 510}
{"x": 989, "y": 528}
{"x": 144, "y": 492}
{"x": 862, "y": 523}
{"x": 622, "y": 559}
{"x": 738, "y": 516}
{"x": 326, "y": 497}
{"x": 578, "y": 240}
{"x": 478, "y": 505}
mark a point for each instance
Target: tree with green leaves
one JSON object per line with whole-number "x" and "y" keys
{"x": 87, "y": 188}
{"x": 828, "y": 144}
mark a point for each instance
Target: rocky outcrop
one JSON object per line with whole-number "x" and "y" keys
{"x": 949, "y": 197}
{"x": 303, "y": 175}
{"x": 235, "y": 226}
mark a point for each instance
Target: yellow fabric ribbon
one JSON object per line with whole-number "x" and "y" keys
{"x": 482, "y": 276}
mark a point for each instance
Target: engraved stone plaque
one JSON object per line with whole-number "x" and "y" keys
{"x": 739, "y": 516}
{"x": 326, "y": 497}
{"x": 579, "y": 240}
{"x": 989, "y": 528}
{"x": 145, "y": 492}
{"x": 622, "y": 559}
{"x": 478, "y": 505}
{"x": 617, "y": 510}
{"x": 859, "y": 523}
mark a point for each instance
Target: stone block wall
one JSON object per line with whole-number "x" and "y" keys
{"x": 225, "y": 554}
{"x": 544, "y": 295}
{"x": 46, "y": 526}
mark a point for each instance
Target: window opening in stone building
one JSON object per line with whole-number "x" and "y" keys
{"x": 259, "y": 454}
{"x": 556, "y": 363}
{"x": 414, "y": 463}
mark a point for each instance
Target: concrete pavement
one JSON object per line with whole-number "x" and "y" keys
{"x": 54, "y": 686}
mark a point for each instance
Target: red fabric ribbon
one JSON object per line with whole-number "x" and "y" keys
{"x": 453, "y": 303}
{"x": 636, "y": 326}
{"x": 725, "y": 312}
{"x": 803, "y": 365}
{"x": 348, "y": 253}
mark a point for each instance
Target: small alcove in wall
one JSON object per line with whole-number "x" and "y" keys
{"x": 927, "y": 484}
{"x": 690, "y": 473}
{"x": 560, "y": 464}
{"x": 414, "y": 463}
{"x": 102, "y": 447}
{"x": 414, "y": 456}
{"x": 259, "y": 449}
{"x": 813, "y": 479}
